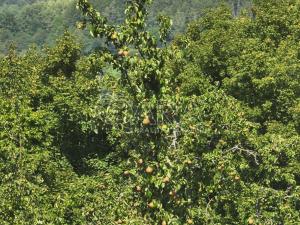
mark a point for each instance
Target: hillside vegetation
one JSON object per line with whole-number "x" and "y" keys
{"x": 41, "y": 22}
{"x": 202, "y": 129}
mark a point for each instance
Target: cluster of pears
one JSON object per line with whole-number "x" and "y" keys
{"x": 150, "y": 170}
{"x": 121, "y": 52}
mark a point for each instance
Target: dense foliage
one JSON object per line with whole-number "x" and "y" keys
{"x": 27, "y": 22}
{"x": 204, "y": 130}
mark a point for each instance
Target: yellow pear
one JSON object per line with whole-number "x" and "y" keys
{"x": 149, "y": 170}
{"x": 138, "y": 188}
{"x": 189, "y": 221}
{"x": 146, "y": 120}
{"x": 151, "y": 205}
{"x": 250, "y": 221}
{"x": 114, "y": 36}
{"x": 125, "y": 53}
{"x": 166, "y": 180}
{"x": 140, "y": 161}
{"x": 120, "y": 52}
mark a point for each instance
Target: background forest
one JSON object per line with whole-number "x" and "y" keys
{"x": 27, "y": 22}
{"x": 197, "y": 126}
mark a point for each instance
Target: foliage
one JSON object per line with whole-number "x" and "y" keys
{"x": 40, "y": 22}
{"x": 204, "y": 130}
{"x": 45, "y": 119}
